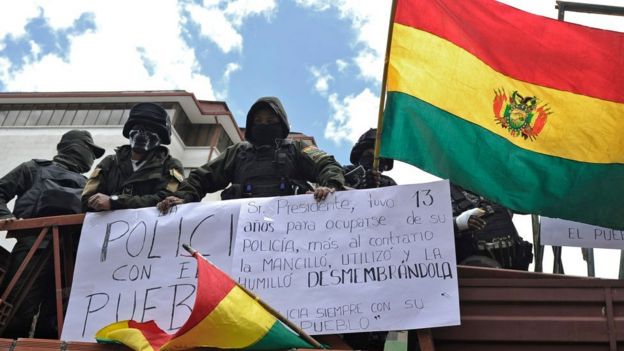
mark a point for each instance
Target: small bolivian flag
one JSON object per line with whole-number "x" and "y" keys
{"x": 524, "y": 110}
{"x": 224, "y": 316}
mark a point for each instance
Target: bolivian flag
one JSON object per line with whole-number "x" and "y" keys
{"x": 524, "y": 110}
{"x": 224, "y": 316}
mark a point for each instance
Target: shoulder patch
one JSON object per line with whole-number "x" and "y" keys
{"x": 95, "y": 173}
{"x": 177, "y": 175}
{"x": 93, "y": 183}
{"x": 313, "y": 152}
{"x": 172, "y": 186}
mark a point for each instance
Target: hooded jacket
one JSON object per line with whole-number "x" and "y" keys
{"x": 272, "y": 103}
{"x": 305, "y": 163}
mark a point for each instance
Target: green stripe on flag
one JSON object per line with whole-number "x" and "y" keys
{"x": 280, "y": 337}
{"x": 445, "y": 145}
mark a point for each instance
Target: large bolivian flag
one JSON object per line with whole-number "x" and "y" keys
{"x": 524, "y": 110}
{"x": 224, "y": 316}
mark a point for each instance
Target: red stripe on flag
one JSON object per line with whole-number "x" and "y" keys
{"x": 525, "y": 46}
{"x": 155, "y": 336}
{"x": 212, "y": 286}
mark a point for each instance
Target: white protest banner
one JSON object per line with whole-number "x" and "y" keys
{"x": 392, "y": 250}
{"x": 131, "y": 265}
{"x": 561, "y": 232}
{"x": 363, "y": 260}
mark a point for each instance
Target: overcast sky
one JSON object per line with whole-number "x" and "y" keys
{"x": 323, "y": 58}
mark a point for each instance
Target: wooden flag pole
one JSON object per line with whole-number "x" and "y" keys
{"x": 424, "y": 336}
{"x": 382, "y": 96}
{"x": 272, "y": 311}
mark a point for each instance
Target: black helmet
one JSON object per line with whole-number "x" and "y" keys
{"x": 152, "y": 115}
{"x": 365, "y": 142}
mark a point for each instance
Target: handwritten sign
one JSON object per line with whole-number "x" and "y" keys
{"x": 366, "y": 260}
{"x": 560, "y": 232}
{"x": 131, "y": 265}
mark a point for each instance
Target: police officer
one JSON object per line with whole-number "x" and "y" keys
{"x": 43, "y": 188}
{"x": 267, "y": 164}
{"x": 139, "y": 174}
{"x": 485, "y": 234}
{"x": 360, "y": 174}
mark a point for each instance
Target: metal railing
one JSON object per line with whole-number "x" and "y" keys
{"x": 63, "y": 259}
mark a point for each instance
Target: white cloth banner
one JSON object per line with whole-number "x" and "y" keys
{"x": 365, "y": 260}
{"x": 561, "y": 232}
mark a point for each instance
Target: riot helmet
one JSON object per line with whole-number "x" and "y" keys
{"x": 364, "y": 143}
{"x": 152, "y": 116}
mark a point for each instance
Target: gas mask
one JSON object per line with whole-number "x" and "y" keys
{"x": 143, "y": 139}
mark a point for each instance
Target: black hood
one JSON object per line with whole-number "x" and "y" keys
{"x": 273, "y": 103}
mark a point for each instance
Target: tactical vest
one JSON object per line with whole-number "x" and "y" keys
{"x": 262, "y": 171}
{"x": 498, "y": 218}
{"x": 55, "y": 191}
{"x": 499, "y": 240}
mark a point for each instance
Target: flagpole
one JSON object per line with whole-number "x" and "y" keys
{"x": 272, "y": 311}
{"x": 382, "y": 97}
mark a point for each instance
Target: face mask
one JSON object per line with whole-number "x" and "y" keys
{"x": 142, "y": 140}
{"x": 266, "y": 134}
{"x": 366, "y": 161}
{"x": 77, "y": 155}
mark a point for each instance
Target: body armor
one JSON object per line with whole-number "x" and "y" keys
{"x": 263, "y": 171}
{"x": 55, "y": 191}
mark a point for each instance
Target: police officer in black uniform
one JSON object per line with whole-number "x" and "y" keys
{"x": 485, "y": 234}
{"x": 360, "y": 174}
{"x": 267, "y": 164}
{"x": 139, "y": 174}
{"x": 43, "y": 188}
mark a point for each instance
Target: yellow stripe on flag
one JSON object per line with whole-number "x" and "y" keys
{"x": 228, "y": 325}
{"x": 121, "y": 332}
{"x": 432, "y": 69}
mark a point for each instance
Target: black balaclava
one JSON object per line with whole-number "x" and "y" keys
{"x": 267, "y": 134}
{"x": 143, "y": 139}
{"x": 367, "y": 158}
{"x": 76, "y": 156}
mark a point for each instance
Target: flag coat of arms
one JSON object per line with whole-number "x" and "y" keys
{"x": 525, "y": 110}
{"x": 224, "y": 316}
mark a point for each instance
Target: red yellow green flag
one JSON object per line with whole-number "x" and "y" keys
{"x": 224, "y": 316}
{"x": 522, "y": 109}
